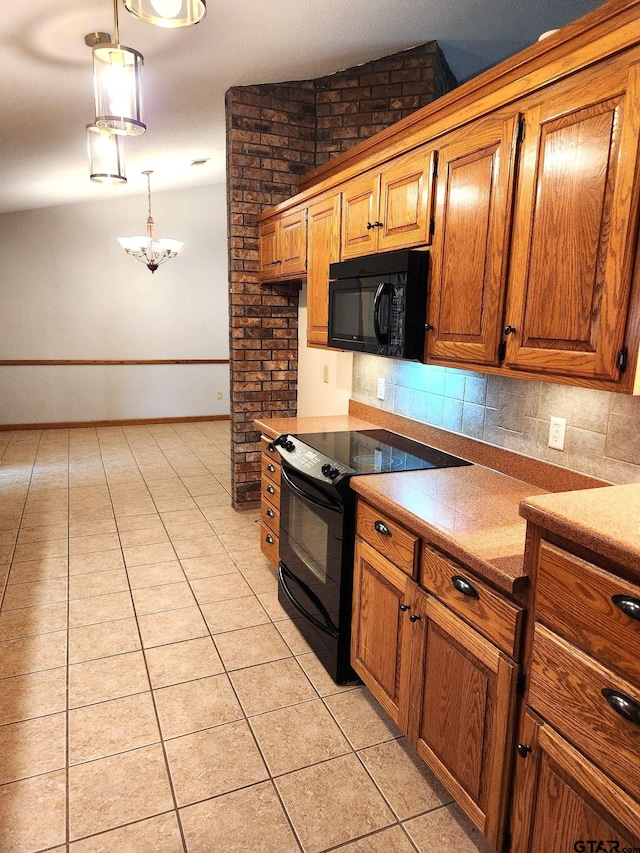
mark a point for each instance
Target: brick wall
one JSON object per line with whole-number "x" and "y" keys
{"x": 275, "y": 133}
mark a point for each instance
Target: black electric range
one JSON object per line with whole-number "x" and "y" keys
{"x": 317, "y": 527}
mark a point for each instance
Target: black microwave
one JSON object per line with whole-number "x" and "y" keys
{"x": 378, "y": 303}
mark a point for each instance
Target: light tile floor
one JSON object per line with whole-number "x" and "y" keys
{"x": 153, "y": 694}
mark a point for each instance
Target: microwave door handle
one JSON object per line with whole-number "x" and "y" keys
{"x": 334, "y": 507}
{"x": 382, "y": 339}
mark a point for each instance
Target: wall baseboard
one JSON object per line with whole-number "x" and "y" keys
{"x": 128, "y": 422}
{"x": 94, "y": 362}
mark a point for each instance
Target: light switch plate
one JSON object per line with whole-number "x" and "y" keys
{"x": 381, "y": 388}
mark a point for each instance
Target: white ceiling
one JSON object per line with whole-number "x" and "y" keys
{"x": 46, "y": 75}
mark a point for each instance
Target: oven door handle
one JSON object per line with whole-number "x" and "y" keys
{"x": 328, "y": 627}
{"x": 330, "y": 505}
{"x": 380, "y": 337}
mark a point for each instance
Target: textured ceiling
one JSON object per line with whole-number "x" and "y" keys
{"x": 46, "y": 85}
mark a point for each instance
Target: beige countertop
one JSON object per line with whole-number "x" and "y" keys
{"x": 606, "y": 520}
{"x": 471, "y": 512}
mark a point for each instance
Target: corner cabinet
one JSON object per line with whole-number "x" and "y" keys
{"x": 390, "y": 208}
{"x": 282, "y": 246}
{"x": 431, "y": 665}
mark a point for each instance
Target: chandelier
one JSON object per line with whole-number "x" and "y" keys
{"x": 168, "y": 13}
{"x": 151, "y": 251}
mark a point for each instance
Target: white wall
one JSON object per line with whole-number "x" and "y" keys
{"x": 68, "y": 291}
{"x": 315, "y": 396}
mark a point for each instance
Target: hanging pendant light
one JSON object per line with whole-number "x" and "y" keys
{"x": 168, "y": 13}
{"x": 149, "y": 249}
{"x": 106, "y": 156}
{"x": 117, "y": 82}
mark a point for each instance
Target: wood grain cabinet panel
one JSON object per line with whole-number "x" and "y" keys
{"x": 323, "y": 248}
{"x": 562, "y": 802}
{"x": 282, "y": 246}
{"x": 462, "y": 711}
{"x": 470, "y": 246}
{"x": 271, "y": 469}
{"x": 381, "y": 633}
{"x": 389, "y": 538}
{"x": 575, "y": 229}
{"x": 390, "y": 208}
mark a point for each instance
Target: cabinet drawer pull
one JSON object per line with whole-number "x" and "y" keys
{"x": 629, "y": 605}
{"x": 404, "y": 607}
{"x": 381, "y": 527}
{"x": 271, "y": 468}
{"x": 271, "y": 490}
{"x": 414, "y": 617}
{"x": 269, "y": 538}
{"x": 464, "y": 586}
{"x": 271, "y": 513}
{"x": 623, "y": 705}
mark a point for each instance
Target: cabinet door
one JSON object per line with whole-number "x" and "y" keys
{"x": 470, "y": 246}
{"x": 405, "y": 201}
{"x": 562, "y": 802}
{"x": 461, "y": 717}
{"x": 575, "y": 230}
{"x": 381, "y": 635}
{"x": 293, "y": 243}
{"x": 268, "y": 248}
{"x": 323, "y": 234}
{"x": 360, "y": 204}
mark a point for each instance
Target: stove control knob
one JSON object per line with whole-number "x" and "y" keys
{"x": 333, "y": 473}
{"x": 290, "y": 446}
{"x": 326, "y": 469}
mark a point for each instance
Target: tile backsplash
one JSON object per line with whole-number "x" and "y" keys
{"x": 603, "y": 428}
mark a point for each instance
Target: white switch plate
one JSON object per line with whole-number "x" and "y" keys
{"x": 556, "y": 433}
{"x": 381, "y": 388}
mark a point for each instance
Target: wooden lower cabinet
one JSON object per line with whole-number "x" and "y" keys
{"x": 270, "y": 503}
{"x": 444, "y": 684}
{"x": 565, "y": 803}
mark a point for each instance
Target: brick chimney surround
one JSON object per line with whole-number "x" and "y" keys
{"x": 277, "y": 132}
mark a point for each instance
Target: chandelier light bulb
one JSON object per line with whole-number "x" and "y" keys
{"x": 167, "y": 8}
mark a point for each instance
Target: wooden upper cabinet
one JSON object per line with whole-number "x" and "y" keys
{"x": 323, "y": 248}
{"x": 389, "y": 209}
{"x": 282, "y": 246}
{"x": 470, "y": 245}
{"x": 575, "y": 226}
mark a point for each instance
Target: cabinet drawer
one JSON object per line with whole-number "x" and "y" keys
{"x": 269, "y": 544}
{"x": 493, "y": 615}
{"x": 578, "y": 600}
{"x": 388, "y": 538}
{"x": 270, "y": 491}
{"x": 566, "y": 688}
{"x": 265, "y": 444}
{"x": 270, "y": 516}
{"x": 271, "y": 469}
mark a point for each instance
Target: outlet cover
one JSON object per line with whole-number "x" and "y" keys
{"x": 381, "y": 388}
{"x": 557, "y": 428}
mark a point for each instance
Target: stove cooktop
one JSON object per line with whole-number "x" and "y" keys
{"x": 379, "y": 451}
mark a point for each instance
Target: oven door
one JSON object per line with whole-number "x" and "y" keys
{"x": 314, "y": 583}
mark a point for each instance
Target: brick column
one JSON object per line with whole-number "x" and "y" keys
{"x": 275, "y": 133}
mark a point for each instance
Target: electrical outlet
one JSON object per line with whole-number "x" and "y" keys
{"x": 381, "y": 388}
{"x": 556, "y": 433}
{"x": 325, "y": 373}
{"x": 219, "y": 395}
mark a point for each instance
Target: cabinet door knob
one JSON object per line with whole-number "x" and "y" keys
{"x": 464, "y": 586}
{"x": 510, "y": 330}
{"x": 271, "y": 513}
{"x": 370, "y": 225}
{"x": 271, "y": 468}
{"x": 523, "y": 749}
{"x": 623, "y": 705}
{"x": 428, "y": 327}
{"x": 414, "y": 617}
{"x": 629, "y": 605}
{"x": 271, "y": 490}
{"x": 377, "y": 224}
{"x": 269, "y": 538}
{"x": 382, "y": 528}
{"x": 404, "y": 607}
